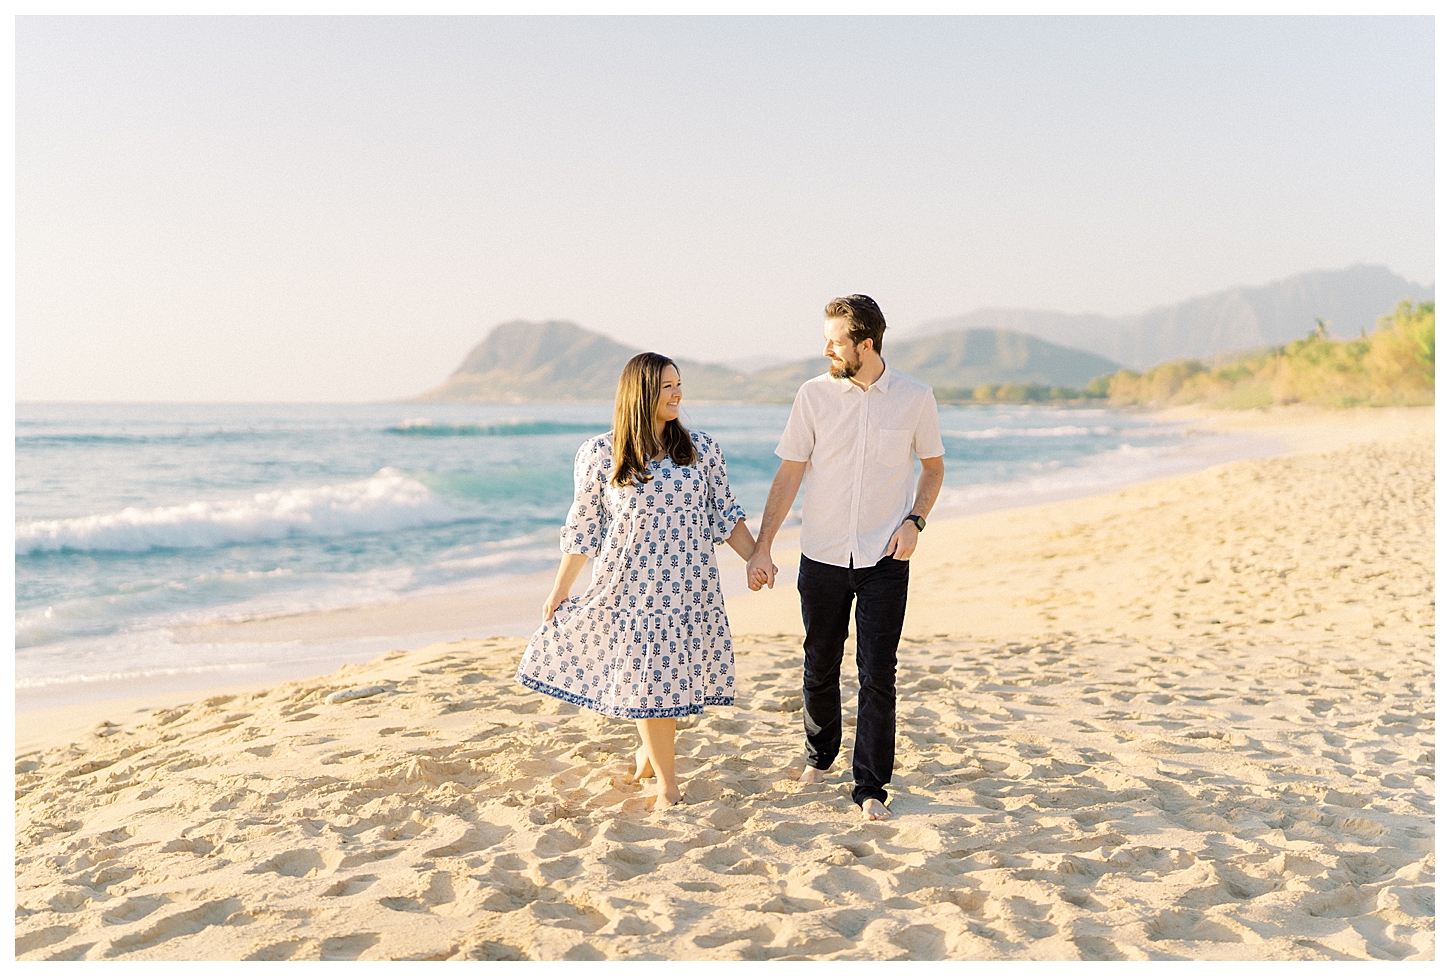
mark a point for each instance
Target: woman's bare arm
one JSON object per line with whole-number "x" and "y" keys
{"x": 569, "y": 568}
{"x": 741, "y": 540}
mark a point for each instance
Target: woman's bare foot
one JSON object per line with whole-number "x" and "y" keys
{"x": 812, "y": 775}
{"x": 666, "y": 799}
{"x": 642, "y": 767}
{"x": 875, "y": 810}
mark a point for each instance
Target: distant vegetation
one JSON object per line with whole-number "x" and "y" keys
{"x": 1020, "y": 393}
{"x": 1393, "y": 366}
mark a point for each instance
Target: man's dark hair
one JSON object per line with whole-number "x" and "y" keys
{"x": 864, "y": 316}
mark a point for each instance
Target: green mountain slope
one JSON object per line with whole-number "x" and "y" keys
{"x": 974, "y": 356}
{"x": 561, "y": 361}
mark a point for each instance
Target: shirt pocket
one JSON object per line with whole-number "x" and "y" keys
{"x": 890, "y": 448}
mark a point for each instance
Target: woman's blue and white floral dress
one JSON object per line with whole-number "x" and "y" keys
{"x": 648, "y": 638}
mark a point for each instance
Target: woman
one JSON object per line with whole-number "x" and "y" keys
{"x": 648, "y": 639}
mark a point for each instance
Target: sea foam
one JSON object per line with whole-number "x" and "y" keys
{"x": 423, "y": 427}
{"x": 389, "y": 500}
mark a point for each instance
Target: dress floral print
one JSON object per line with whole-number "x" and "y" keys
{"x": 649, "y": 638}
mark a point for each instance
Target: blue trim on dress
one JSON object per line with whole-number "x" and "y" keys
{"x": 574, "y": 699}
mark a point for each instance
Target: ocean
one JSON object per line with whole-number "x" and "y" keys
{"x": 135, "y": 520}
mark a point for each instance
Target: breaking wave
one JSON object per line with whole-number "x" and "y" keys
{"x": 387, "y": 501}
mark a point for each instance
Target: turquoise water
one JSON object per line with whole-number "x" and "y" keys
{"x": 134, "y": 519}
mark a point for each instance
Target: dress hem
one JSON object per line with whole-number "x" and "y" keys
{"x": 677, "y": 711}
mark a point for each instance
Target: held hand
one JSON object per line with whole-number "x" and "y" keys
{"x": 903, "y": 542}
{"x": 762, "y": 578}
{"x": 759, "y": 570}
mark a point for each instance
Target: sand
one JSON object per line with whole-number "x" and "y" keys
{"x": 1193, "y": 719}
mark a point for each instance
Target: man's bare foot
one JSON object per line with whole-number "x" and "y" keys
{"x": 642, "y": 767}
{"x": 666, "y": 799}
{"x": 812, "y": 775}
{"x": 875, "y": 810}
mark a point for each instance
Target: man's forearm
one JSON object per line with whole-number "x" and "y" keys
{"x": 928, "y": 486}
{"x": 783, "y": 490}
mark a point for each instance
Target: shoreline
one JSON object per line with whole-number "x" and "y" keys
{"x": 240, "y": 643}
{"x": 1191, "y": 719}
{"x": 313, "y": 643}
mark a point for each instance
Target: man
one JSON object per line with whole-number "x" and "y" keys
{"x": 851, "y": 437}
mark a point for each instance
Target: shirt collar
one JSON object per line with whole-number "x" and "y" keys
{"x": 883, "y": 382}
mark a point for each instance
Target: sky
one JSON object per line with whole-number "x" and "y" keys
{"x": 339, "y": 208}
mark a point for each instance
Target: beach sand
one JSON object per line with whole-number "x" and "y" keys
{"x": 1192, "y": 719}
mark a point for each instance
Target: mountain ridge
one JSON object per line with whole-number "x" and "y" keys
{"x": 1227, "y": 321}
{"x": 555, "y": 360}
{"x": 558, "y": 360}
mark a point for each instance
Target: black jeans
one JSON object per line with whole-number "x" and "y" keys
{"x": 880, "y": 595}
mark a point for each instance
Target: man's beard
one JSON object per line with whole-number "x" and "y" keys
{"x": 842, "y": 370}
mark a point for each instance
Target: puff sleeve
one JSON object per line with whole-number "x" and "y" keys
{"x": 725, "y": 511}
{"x": 587, "y": 521}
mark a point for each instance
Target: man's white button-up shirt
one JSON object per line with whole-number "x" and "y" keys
{"x": 860, "y": 474}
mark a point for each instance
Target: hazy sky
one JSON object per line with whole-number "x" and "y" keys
{"x": 339, "y": 208}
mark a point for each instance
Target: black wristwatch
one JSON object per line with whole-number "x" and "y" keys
{"x": 919, "y": 520}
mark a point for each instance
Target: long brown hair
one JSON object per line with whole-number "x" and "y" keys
{"x": 634, "y": 422}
